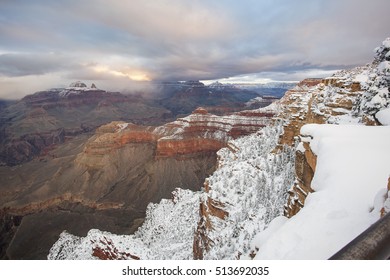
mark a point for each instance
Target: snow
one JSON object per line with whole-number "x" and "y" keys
{"x": 167, "y": 233}
{"x": 384, "y": 67}
{"x": 273, "y": 107}
{"x": 386, "y": 43}
{"x": 353, "y": 166}
{"x": 341, "y": 110}
{"x": 383, "y": 116}
{"x": 273, "y": 227}
{"x": 361, "y": 78}
{"x": 252, "y": 183}
{"x": 254, "y": 101}
{"x": 300, "y": 147}
{"x": 344, "y": 119}
{"x": 122, "y": 126}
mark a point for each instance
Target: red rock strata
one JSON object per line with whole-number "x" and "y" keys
{"x": 200, "y": 132}
{"x": 104, "y": 249}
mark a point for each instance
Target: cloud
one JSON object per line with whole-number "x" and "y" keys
{"x": 179, "y": 40}
{"x": 21, "y": 64}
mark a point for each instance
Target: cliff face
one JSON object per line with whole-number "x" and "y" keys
{"x": 204, "y": 132}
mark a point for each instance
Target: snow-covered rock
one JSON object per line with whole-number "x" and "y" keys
{"x": 77, "y": 84}
{"x": 167, "y": 233}
{"x": 250, "y": 185}
{"x": 77, "y": 88}
{"x": 383, "y": 116}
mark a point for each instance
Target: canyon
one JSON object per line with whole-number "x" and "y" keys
{"x": 269, "y": 183}
{"x": 207, "y": 186}
{"x": 40, "y": 121}
{"x": 107, "y": 178}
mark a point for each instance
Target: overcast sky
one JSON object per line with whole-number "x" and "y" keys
{"x": 118, "y": 43}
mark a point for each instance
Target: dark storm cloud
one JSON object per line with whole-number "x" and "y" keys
{"x": 179, "y": 40}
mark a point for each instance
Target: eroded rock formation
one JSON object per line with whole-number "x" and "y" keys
{"x": 104, "y": 249}
{"x": 305, "y": 166}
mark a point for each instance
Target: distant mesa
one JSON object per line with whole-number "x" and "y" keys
{"x": 194, "y": 83}
{"x": 81, "y": 85}
{"x": 77, "y": 88}
{"x": 216, "y": 85}
{"x": 200, "y": 111}
{"x": 78, "y": 84}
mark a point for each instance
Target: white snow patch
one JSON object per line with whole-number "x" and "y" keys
{"x": 254, "y": 101}
{"x": 300, "y": 147}
{"x": 361, "y": 78}
{"x": 384, "y": 67}
{"x": 341, "y": 110}
{"x": 122, "y": 126}
{"x": 383, "y": 116}
{"x": 167, "y": 233}
{"x": 386, "y": 43}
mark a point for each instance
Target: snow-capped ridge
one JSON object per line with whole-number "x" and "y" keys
{"x": 77, "y": 84}
{"x": 76, "y": 88}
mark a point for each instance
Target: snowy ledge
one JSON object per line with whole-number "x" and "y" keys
{"x": 353, "y": 166}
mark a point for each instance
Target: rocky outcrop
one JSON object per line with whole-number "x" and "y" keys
{"x": 104, "y": 249}
{"x": 207, "y": 210}
{"x": 386, "y": 205}
{"x": 297, "y": 109}
{"x": 180, "y": 148}
{"x": 305, "y": 166}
